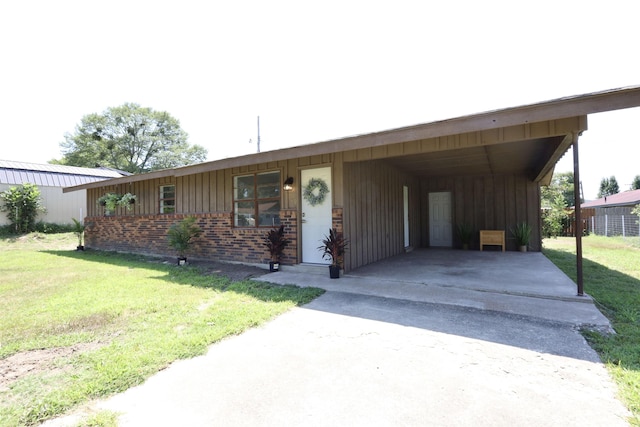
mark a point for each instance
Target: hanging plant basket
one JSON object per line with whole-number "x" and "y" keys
{"x": 315, "y": 191}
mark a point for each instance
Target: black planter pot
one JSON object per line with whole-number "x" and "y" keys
{"x": 274, "y": 266}
{"x": 334, "y": 271}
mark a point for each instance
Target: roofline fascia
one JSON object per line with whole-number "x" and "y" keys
{"x": 578, "y": 105}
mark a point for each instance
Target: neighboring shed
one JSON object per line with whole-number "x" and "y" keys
{"x": 612, "y": 214}
{"x": 388, "y": 191}
{"x": 51, "y": 179}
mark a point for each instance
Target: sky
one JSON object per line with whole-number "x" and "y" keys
{"x": 313, "y": 71}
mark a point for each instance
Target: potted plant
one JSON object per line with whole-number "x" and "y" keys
{"x": 275, "y": 241}
{"x": 522, "y": 234}
{"x": 78, "y": 230}
{"x": 180, "y": 236}
{"x": 111, "y": 201}
{"x": 465, "y": 232}
{"x": 333, "y": 247}
{"x": 127, "y": 200}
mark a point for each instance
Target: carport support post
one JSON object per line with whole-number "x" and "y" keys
{"x": 577, "y": 213}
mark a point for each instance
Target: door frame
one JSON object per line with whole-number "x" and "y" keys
{"x": 327, "y": 217}
{"x": 450, "y": 209}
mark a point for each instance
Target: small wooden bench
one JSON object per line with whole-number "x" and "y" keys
{"x": 492, "y": 237}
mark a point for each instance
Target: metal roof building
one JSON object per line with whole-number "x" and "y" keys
{"x": 17, "y": 173}
{"x": 51, "y": 179}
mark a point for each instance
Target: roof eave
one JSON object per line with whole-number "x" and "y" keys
{"x": 579, "y": 105}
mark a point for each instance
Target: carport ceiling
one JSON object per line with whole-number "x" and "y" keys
{"x": 522, "y": 157}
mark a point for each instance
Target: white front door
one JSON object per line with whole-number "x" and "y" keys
{"x": 316, "y": 215}
{"x": 440, "y": 231}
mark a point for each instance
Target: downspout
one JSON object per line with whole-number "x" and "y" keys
{"x": 578, "y": 213}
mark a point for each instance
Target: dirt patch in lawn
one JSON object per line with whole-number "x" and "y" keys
{"x": 38, "y": 361}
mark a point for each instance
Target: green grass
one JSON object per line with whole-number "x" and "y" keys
{"x": 128, "y": 318}
{"x": 611, "y": 268}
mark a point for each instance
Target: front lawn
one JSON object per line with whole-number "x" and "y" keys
{"x": 77, "y": 326}
{"x": 612, "y": 277}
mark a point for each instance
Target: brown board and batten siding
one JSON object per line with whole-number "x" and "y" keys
{"x": 207, "y": 195}
{"x": 373, "y": 211}
{"x": 493, "y": 202}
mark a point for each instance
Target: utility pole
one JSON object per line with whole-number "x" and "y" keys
{"x": 258, "y": 134}
{"x": 250, "y": 140}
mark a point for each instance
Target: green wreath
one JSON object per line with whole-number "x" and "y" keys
{"x": 309, "y": 191}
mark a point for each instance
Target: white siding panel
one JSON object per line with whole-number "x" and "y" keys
{"x": 61, "y": 207}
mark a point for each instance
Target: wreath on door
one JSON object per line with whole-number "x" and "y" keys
{"x": 315, "y": 191}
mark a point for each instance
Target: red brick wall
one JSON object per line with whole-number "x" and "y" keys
{"x": 219, "y": 240}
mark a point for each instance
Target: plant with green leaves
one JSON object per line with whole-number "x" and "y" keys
{"x": 522, "y": 233}
{"x": 126, "y": 200}
{"x": 636, "y": 211}
{"x": 78, "y": 230}
{"x": 111, "y": 201}
{"x": 130, "y": 138}
{"x": 608, "y": 187}
{"x": 181, "y": 235}
{"x": 465, "y": 233}
{"x": 22, "y": 204}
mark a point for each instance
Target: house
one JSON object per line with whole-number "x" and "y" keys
{"x": 51, "y": 179}
{"x": 388, "y": 191}
{"x": 612, "y": 214}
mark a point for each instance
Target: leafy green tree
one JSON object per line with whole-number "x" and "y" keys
{"x": 563, "y": 182}
{"x": 22, "y": 205}
{"x": 130, "y": 138}
{"x": 554, "y": 200}
{"x": 635, "y": 184}
{"x": 608, "y": 186}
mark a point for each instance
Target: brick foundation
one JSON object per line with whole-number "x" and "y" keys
{"x": 147, "y": 234}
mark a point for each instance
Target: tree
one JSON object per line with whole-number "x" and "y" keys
{"x": 130, "y": 138}
{"x": 22, "y": 204}
{"x": 635, "y": 184}
{"x": 608, "y": 186}
{"x": 636, "y": 211}
{"x": 554, "y": 200}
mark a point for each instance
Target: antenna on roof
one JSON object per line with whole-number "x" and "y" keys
{"x": 251, "y": 140}
{"x": 258, "y": 134}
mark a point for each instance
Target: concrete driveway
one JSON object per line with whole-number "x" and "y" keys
{"x": 358, "y": 360}
{"x": 380, "y": 351}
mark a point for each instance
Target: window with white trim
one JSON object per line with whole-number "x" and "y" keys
{"x": 167, "y": 199}
{"x": 256, "y": 199}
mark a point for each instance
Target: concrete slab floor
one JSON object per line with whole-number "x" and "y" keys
{"x": 526, "y": 284}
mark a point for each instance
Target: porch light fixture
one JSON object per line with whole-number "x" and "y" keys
{"x": 288, "y": 184}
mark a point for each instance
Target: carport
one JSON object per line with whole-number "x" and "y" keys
{"x": 523, "y": 284}
{"x": 411, "y": 187}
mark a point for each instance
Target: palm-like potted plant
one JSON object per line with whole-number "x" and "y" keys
{"x": 181, "y": 235}
{"x": 333, "y": 247}
{"x": 465, "y": 232}
{"x": 78, "y": 230}
{"x": 522, "y": 234}
{"x": 276, "y": 242}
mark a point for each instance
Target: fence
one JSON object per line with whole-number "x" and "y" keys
{"x": 615, "y": 225}
{"x": 616, "y": 221}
